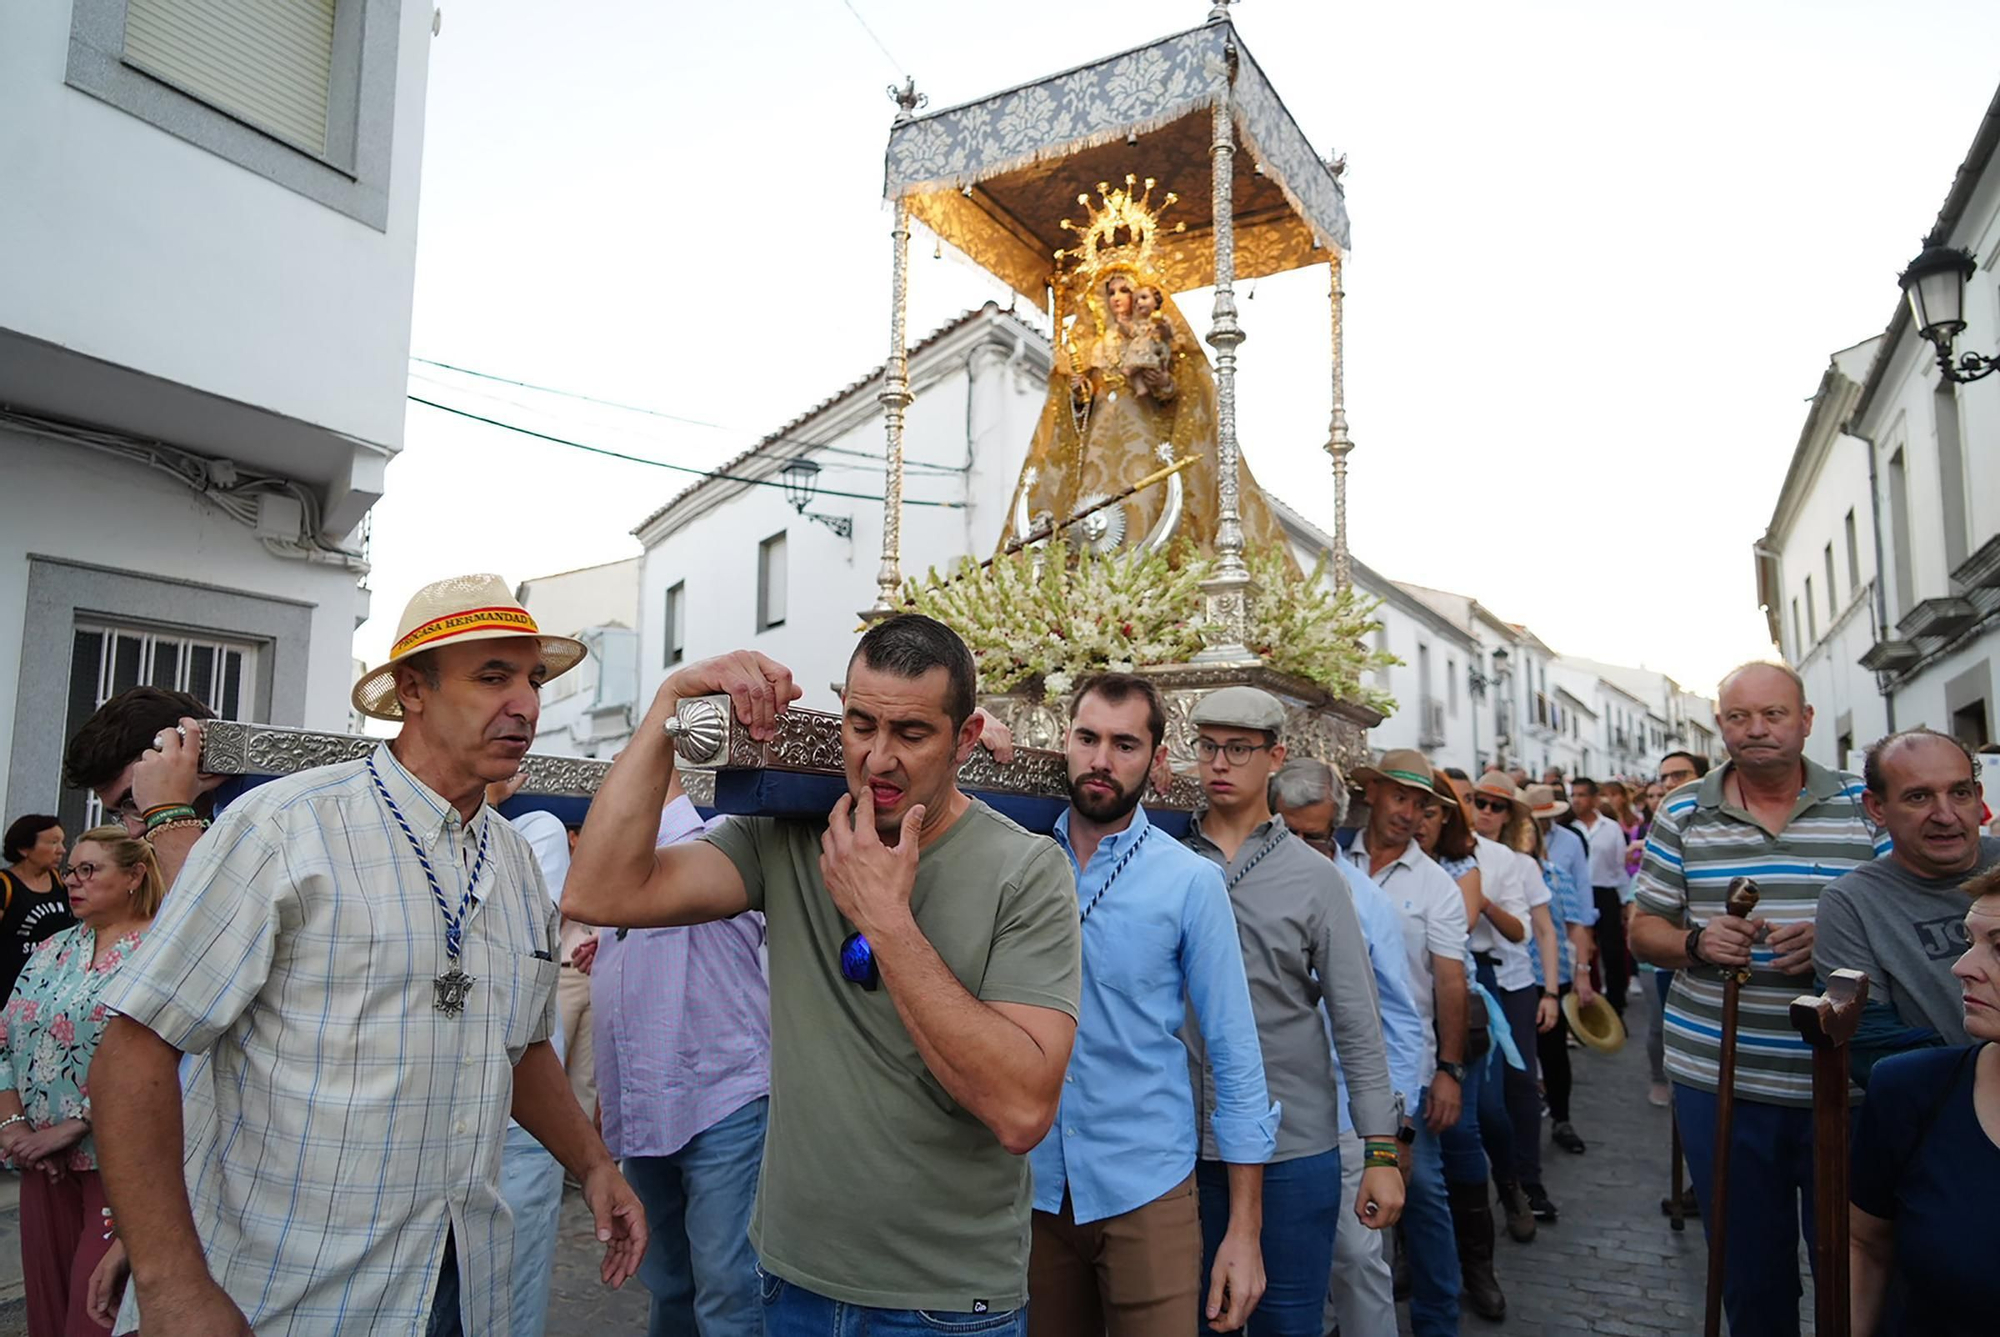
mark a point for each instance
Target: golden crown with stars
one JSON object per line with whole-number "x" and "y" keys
{"x": 1121, "y": 233}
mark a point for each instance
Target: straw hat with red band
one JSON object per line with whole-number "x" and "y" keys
{"x": 450, "y": 612}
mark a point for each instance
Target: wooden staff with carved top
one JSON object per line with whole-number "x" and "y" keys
{"x": 1742, "y": 900}
{"x": 1828, "y": 1023}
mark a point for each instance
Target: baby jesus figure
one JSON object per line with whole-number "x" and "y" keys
{"x": 1148, "y": 359}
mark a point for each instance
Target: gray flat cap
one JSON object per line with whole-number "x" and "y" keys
{"x": 1241, "y": 708}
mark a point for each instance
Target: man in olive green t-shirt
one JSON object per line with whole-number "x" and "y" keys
{"x": 925, "y": 966}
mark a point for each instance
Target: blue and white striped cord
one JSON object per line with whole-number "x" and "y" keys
{"x": 454, "y": 925}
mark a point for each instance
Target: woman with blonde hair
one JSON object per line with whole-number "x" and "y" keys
{"x": 48, "y": 1035}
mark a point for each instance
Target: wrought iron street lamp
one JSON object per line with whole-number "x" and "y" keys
{"x": 1935, "y": 286}
{"x": 800, "y": 477}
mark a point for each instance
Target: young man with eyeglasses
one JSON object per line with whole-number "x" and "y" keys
{"x": 1117, "y": 1235}
{"x": 1303, "y": 950}
{"x": 1435, "y": 923}
{"x": 925, "y": 958}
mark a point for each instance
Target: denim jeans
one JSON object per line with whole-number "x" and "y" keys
{"x": 1770, "y": 1204}
{"x": 1301, "y": 1211}
{"x": 1427, "y": 1233}
{"x": 699, "y": 1266}
{"x": 1464, "y": 1154}
{"x": 794, "y": 1311}
{"x": 531, "y": 1184}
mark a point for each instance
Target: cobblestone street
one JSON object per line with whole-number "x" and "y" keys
{"x": 1611, "y": 1266}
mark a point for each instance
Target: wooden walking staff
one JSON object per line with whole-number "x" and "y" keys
{"x": 1742, "y": 900}
{"x": 1828, "y": 1023}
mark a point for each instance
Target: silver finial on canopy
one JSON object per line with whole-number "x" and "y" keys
{"x": 908, "y": 99}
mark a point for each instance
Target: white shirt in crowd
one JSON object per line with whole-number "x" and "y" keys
{"x": 1433, "y": 911}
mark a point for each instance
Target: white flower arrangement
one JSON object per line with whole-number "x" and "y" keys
{"x": 1042, "y": 620}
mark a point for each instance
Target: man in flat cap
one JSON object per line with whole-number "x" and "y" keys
{"x": 1277, "y": 884}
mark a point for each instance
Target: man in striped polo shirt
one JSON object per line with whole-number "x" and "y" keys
{"x": 1769, "y": 814}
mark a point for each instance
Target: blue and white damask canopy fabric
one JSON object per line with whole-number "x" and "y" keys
{"x": 995, "y": 177}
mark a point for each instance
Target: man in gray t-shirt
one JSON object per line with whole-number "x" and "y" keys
{"x": 926, "y": 958}
{"x": 1901, "y": 918}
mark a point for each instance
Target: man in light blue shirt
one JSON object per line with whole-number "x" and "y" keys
{"x": 1312, "y": 798}
{"x": 1117, "y": 1242}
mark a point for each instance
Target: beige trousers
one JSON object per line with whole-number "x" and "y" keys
{"x": 573, "y": 1004}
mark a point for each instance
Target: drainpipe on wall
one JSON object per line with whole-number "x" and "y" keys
{"x": 1881, "y": 576}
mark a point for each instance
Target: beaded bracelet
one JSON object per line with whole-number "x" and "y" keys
{"x": 11, "y": 1120}
{"x": 178, "y": 823}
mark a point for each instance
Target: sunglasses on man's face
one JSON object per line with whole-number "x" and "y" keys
{"x": 1484, "y": 804}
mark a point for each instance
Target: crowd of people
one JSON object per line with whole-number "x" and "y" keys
{"x": 321, "y": 1062}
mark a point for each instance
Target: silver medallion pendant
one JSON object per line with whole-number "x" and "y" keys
{"x": 452, "y": 988}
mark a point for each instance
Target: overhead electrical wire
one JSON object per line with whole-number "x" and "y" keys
{"x": 663, "y": 464}
{"x": 924, "y": 466}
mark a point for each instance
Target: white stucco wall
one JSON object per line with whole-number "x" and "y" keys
{"x": 68, "y": 503}
{"x": 154, "y": 254}
{"x": 990, "y": 414}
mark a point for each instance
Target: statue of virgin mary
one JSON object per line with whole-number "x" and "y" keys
{"x": 1130, "y": 391}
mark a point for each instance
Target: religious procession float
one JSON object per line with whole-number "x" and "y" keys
{"x": 1138, "y": 539}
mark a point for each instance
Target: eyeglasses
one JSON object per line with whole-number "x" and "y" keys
{"x": 82, "y": 872}
{"x": 1235, "y": 749}
{"x": 1484, "y": 804}
{"x": 857, "y": 963}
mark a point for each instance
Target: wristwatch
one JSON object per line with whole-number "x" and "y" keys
{"x": 1552, "y": 995}
{"x": 1455, "y": 1071}
{"x": 1406, "y": 1132}
{"x": 1693, "y": 946}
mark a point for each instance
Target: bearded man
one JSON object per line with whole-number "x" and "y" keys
{"x": 1117, "y": 1235}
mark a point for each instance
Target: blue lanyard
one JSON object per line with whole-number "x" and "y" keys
{"x": 1116, "y": 869}
{"x": 454, "y": 925}
{"x": 1277, "y": 838}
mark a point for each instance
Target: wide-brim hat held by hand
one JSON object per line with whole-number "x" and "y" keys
{"x": 451, "y": 612}
{"x": 1499, "y": 784}
{"x": 1543, "y": 803}
{"x": 1597, "y": 1025}
{"x": 1401, "y": 766}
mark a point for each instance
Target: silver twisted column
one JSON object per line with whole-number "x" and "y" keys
{"x": 1337, "y": 442}
{"x": 894, "y": 398}
{"x": 1226, "y": 594}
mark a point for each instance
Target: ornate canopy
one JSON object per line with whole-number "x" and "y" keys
{"x": 995, "y": 177}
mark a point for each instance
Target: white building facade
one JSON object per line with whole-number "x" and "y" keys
{"x": 210, "y": 232}
{"x": 591, "y": 710}
{"x": 1880, "y": 571}
{"x": 731, "y": 564}
{"x": 734, "y": 562}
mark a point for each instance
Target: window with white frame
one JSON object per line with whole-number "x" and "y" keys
{"x": 108, "y": 658}
{"x": 771, "y": 582}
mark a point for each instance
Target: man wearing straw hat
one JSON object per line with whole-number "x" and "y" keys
{"x": 367, "y": 953}
{"x": 1435, "y": 924}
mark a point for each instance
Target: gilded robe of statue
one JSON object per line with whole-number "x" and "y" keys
{"x": 1130, "y": 376}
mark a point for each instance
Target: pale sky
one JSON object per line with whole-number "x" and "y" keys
{"x": 1601, "y": 253}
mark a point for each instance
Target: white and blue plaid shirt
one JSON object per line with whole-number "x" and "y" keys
{"x": 343, "y": 1125}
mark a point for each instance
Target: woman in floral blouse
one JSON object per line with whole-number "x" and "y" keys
{"x": 48, "y": 1034}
